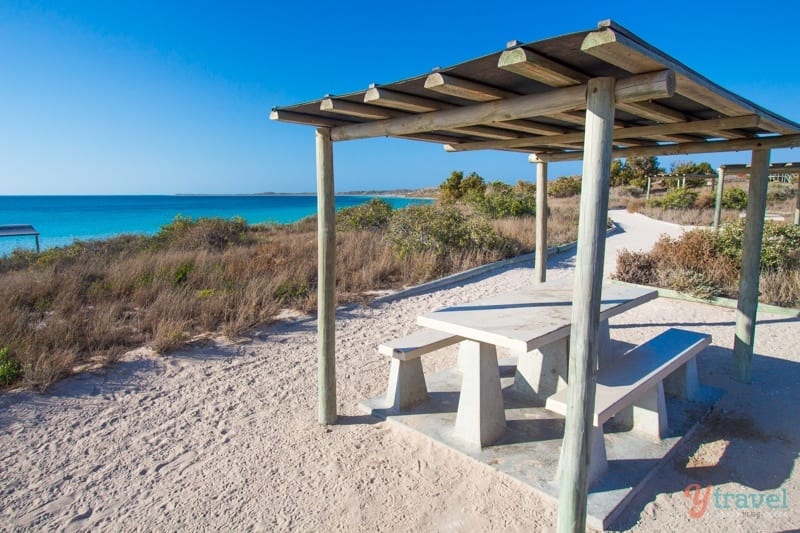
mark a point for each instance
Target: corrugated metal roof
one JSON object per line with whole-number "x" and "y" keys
{"x": 542, "y": 67}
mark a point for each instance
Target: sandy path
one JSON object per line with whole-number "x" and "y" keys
{"x": 225, "y": 436}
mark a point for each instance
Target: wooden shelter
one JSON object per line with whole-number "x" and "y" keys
{"x": 783, "y": 172}
{"x": 20, "y": 230}
{"x": 592, "y": 95}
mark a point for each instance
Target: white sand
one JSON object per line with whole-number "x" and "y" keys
{"x": 225, "y": 436}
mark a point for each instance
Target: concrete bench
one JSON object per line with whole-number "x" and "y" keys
{"x": 632, "y": 386}
{"x": 406, "y": 379}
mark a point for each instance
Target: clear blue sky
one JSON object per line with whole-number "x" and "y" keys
{"x": 164, "y": 97}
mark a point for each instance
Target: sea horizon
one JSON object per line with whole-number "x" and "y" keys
{"x": 62, "y": 219}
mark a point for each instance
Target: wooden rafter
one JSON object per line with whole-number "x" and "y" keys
{"x": 636, "y": 88}
{"x": 705, "y": 147}
{"x": 748, "y": 121}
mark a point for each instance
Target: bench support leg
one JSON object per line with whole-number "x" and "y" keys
{"x": 481, "y": 418}
{"x": 650, "y": 413}
{"x": 683, "y": 383}
{"x": 406, "y": 384}
{"x": 543, "y": 372}
{"x": 598, "y": 462}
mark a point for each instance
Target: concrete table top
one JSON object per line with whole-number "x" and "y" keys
{"x": 528, "y": 319}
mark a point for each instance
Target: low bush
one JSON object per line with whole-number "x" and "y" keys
{"x": 707, "y": 264}
{"x": 780, "y": 246}
{"x": 734, "y": 198}
{"x": 678, "y": 198}
{"x": 373, "y": 214}
{"x": 500, "y": 200}
{"x": 439, "y": 229}
{"x": 705, "y": 200}
{"x": 564, "y": 187}
{"x": 779, "y": 192}
{"x": 10, "y": 369}
{"x": 216, "y": 234}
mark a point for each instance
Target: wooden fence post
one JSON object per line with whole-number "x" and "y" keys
{"x": 718, "y": 200}
{"x": 584, "y": 336}
{"x": 540, "y": 259}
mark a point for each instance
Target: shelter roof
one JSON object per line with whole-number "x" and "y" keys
{"x": 531, "y": 98}
{"x": 15, "y": 230}
{"x": 773, "y": 167}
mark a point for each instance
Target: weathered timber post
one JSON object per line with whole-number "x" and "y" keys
{"x": 718, "y": 199}
{"x": 584, "y": 337}
{"x": 647, "y": 194}
{"x": 797, "y": 203}
{"x": 326, "y": 278}
{"x": 751, "y": 266}
{"x": 540, "y": 259}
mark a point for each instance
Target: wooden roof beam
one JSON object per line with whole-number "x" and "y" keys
{"x": 355, "y": 109}
{"x": 703, "y": 147}
{"x": 749, "y": 121}
{"x": 293, "y": 117}
{"x": 614, "y": 47}
{"x": 404, "y": 102}
{"x": 479, "y": 92}
{"x": 549, "y": 72}
{"x": 540, "y": 68}
{"x": 637, "y": 88}
{"x": 466, "y": 89}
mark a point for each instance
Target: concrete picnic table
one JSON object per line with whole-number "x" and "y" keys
{"x": 534, "y": 323}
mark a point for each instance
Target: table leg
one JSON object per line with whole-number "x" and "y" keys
{"x": 543, "y": 372}
{"x": 481, "y": 417}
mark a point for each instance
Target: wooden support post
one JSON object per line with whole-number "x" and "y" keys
{"x": 797, "y": 203}
{"x": 326, "y": 278}
{"x": 718, "y": 200}
{"x": 649, "y": 182}
{"x": 37, "y": 240}
{"x": 751, "y": 266}
{"x": 585, "y": 337}
{"x": 540, "y": 259}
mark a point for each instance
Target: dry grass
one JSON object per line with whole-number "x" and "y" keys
{"x": 696, "y": 264}
{"x": 84, "y": 305}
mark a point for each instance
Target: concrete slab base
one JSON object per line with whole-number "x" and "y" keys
{"x": 529, "y": 449}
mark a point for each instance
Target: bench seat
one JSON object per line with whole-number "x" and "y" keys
{"x": 417, "y": 344}
{"x": 406, "y": 378}
{"x": 636, "y": 380}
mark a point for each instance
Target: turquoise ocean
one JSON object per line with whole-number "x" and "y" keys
{"x": 62, "y": 219}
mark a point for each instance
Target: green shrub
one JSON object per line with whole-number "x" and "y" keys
{"x": 10, "y": 369}
{"x": 734, "y": 198}
{"x": 371, "y": 215}
{"x": 779, "y": 192}
{"x": 183, "y": 233}
{"x": 291, "y": 290}
{"x": 674, "y": 199}
{"x": 439, "y": 229}
{"x": 182, "y": 273}
{"x": 780, "y": 246}
{"x": 501, "y": 200}
{"x": 564, "y": 186}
